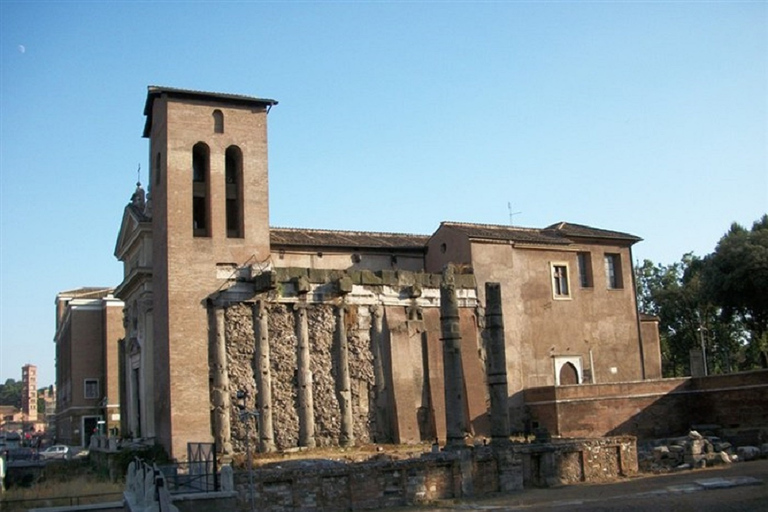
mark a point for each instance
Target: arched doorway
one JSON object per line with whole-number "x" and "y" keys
{"x": 568, "y": 375}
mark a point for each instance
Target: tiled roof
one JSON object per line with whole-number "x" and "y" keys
{"x": 580, "y": 231}
{"x": 347, "y": 239}
{"x": 87, "y": 292}
{"x": 562, "y": 233}
{"x": 508, "y": 233}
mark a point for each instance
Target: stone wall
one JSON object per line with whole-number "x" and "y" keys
{"x": 324, "y": 485}
{"x": 373, "y": 378}
{"x": 323, "y": 364}
{"x": 651, "y": 409}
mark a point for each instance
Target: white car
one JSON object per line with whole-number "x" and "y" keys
{"x": 57, "y": 451}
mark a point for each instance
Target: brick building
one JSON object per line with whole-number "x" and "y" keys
{"x": 337, "y": 335}
{"x": 89, "y": 323}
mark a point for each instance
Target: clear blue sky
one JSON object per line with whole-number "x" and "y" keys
{"x": 649, "y": 118}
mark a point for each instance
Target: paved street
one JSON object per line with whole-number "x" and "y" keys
{"x": 738, "y": 487}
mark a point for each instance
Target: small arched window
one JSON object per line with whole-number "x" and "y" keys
{"x": 568, "y": 375}
{"x": 233, "y": 174}
{"x": 218, "y": 121}
{"x": 200, "y": 192}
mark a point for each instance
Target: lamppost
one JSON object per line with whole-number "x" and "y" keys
{"x": 702, "y": 329}
{"x": 245, "y": 416}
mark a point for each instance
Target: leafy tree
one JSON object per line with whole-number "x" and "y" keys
{"x": 10, "y": 393}
{"x": 735, "y": 277}
{"x": 661, "y": 293}
{"x": 687, "y": 318}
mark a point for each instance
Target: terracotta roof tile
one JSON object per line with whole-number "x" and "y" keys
{"x": 508, "y": 233}
{"x": 562, "y": 233}
{"x": 580, "y": 231}
{"x": 347, "y": 239}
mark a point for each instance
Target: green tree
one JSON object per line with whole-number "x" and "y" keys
{"x": 10, "y": 393}
{"x": 687, "y": 318}
{"x": 735, "y": 277}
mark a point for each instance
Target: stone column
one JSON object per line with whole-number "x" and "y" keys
{"x": 453, "y": 375}
{"x": 263, "y": 375}
{"x": 380, "y": 384}
{"x": 221, "y": 398}
{"x": 497, "y": 363}
{"x": 343, "y": 383}
{"x": 306, "y": 405}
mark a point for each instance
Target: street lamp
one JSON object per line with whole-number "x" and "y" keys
{"x": 703, "y": 349}
{"x": 245, "y": 416}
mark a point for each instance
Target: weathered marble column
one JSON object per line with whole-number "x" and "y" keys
{"x": 306, "y": 404}
{"x": 221, "y": 399}
{"x": 263, "y": 374}
{"x": 343, "y": 382}
{"x": 497, "y": 363}
{"x": 383, "y": 434}
{"x": 453, "y": 376}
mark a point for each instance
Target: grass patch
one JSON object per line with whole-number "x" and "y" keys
{"x": 62, "y": 483}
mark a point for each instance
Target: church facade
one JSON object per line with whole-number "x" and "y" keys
{"x": 334, "y": 337}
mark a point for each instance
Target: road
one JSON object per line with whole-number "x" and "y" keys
{"x": 737, "y": 487}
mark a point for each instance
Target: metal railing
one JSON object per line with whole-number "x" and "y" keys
{"x": 190, "y": 477}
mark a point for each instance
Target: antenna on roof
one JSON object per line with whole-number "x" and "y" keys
{"x": 511, "y": 213}
{"x": 138, "y": 175}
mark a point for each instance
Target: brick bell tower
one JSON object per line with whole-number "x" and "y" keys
{"x": 210, "y": 216}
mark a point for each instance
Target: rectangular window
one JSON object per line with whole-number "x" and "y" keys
{"x": 560, "y": 287}
{"x": 585, "y": 269}
{"x": 91, "y": 389}
{"x": 613, "y": 271}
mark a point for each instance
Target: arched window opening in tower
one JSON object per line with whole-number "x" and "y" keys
{"x": 200, "y": 194}
{"x": 234, "y": 196}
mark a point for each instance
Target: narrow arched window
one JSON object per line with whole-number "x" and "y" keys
{"x": 200, "y": 194}
{"x": 233, "y": 174}
{"x": 218, "y": 121}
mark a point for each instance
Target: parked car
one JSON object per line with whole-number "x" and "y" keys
{"x": 57, "y": 451}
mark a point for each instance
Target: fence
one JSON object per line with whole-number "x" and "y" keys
{"x": 191, "y": 477}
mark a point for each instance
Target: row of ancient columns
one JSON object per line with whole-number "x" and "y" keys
{"x": 452, "y": 377}
{"x": 263, "y": 379}
{"x": 496, "y": 365}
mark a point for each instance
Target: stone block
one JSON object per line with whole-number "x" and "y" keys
{"x": 695, "y": 447}
{"x": 389, "y": 277}
{"x": 405, "y": 278}
{"x": 369, "y": 278}
{"x": 318, "y": 276}
{"x": 432, "y": 280}
{"x": 465, "y": 281}
{"x": 265, "y": 281}
{"x": 746, "y": 453}
{"x": 296, "y": 272}
{"x": 302, "y": 284}
{"x": 356, "y": 276}
{"x": 345, "y": 285}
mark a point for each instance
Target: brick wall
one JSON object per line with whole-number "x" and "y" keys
{"x": 648, "y": 409}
